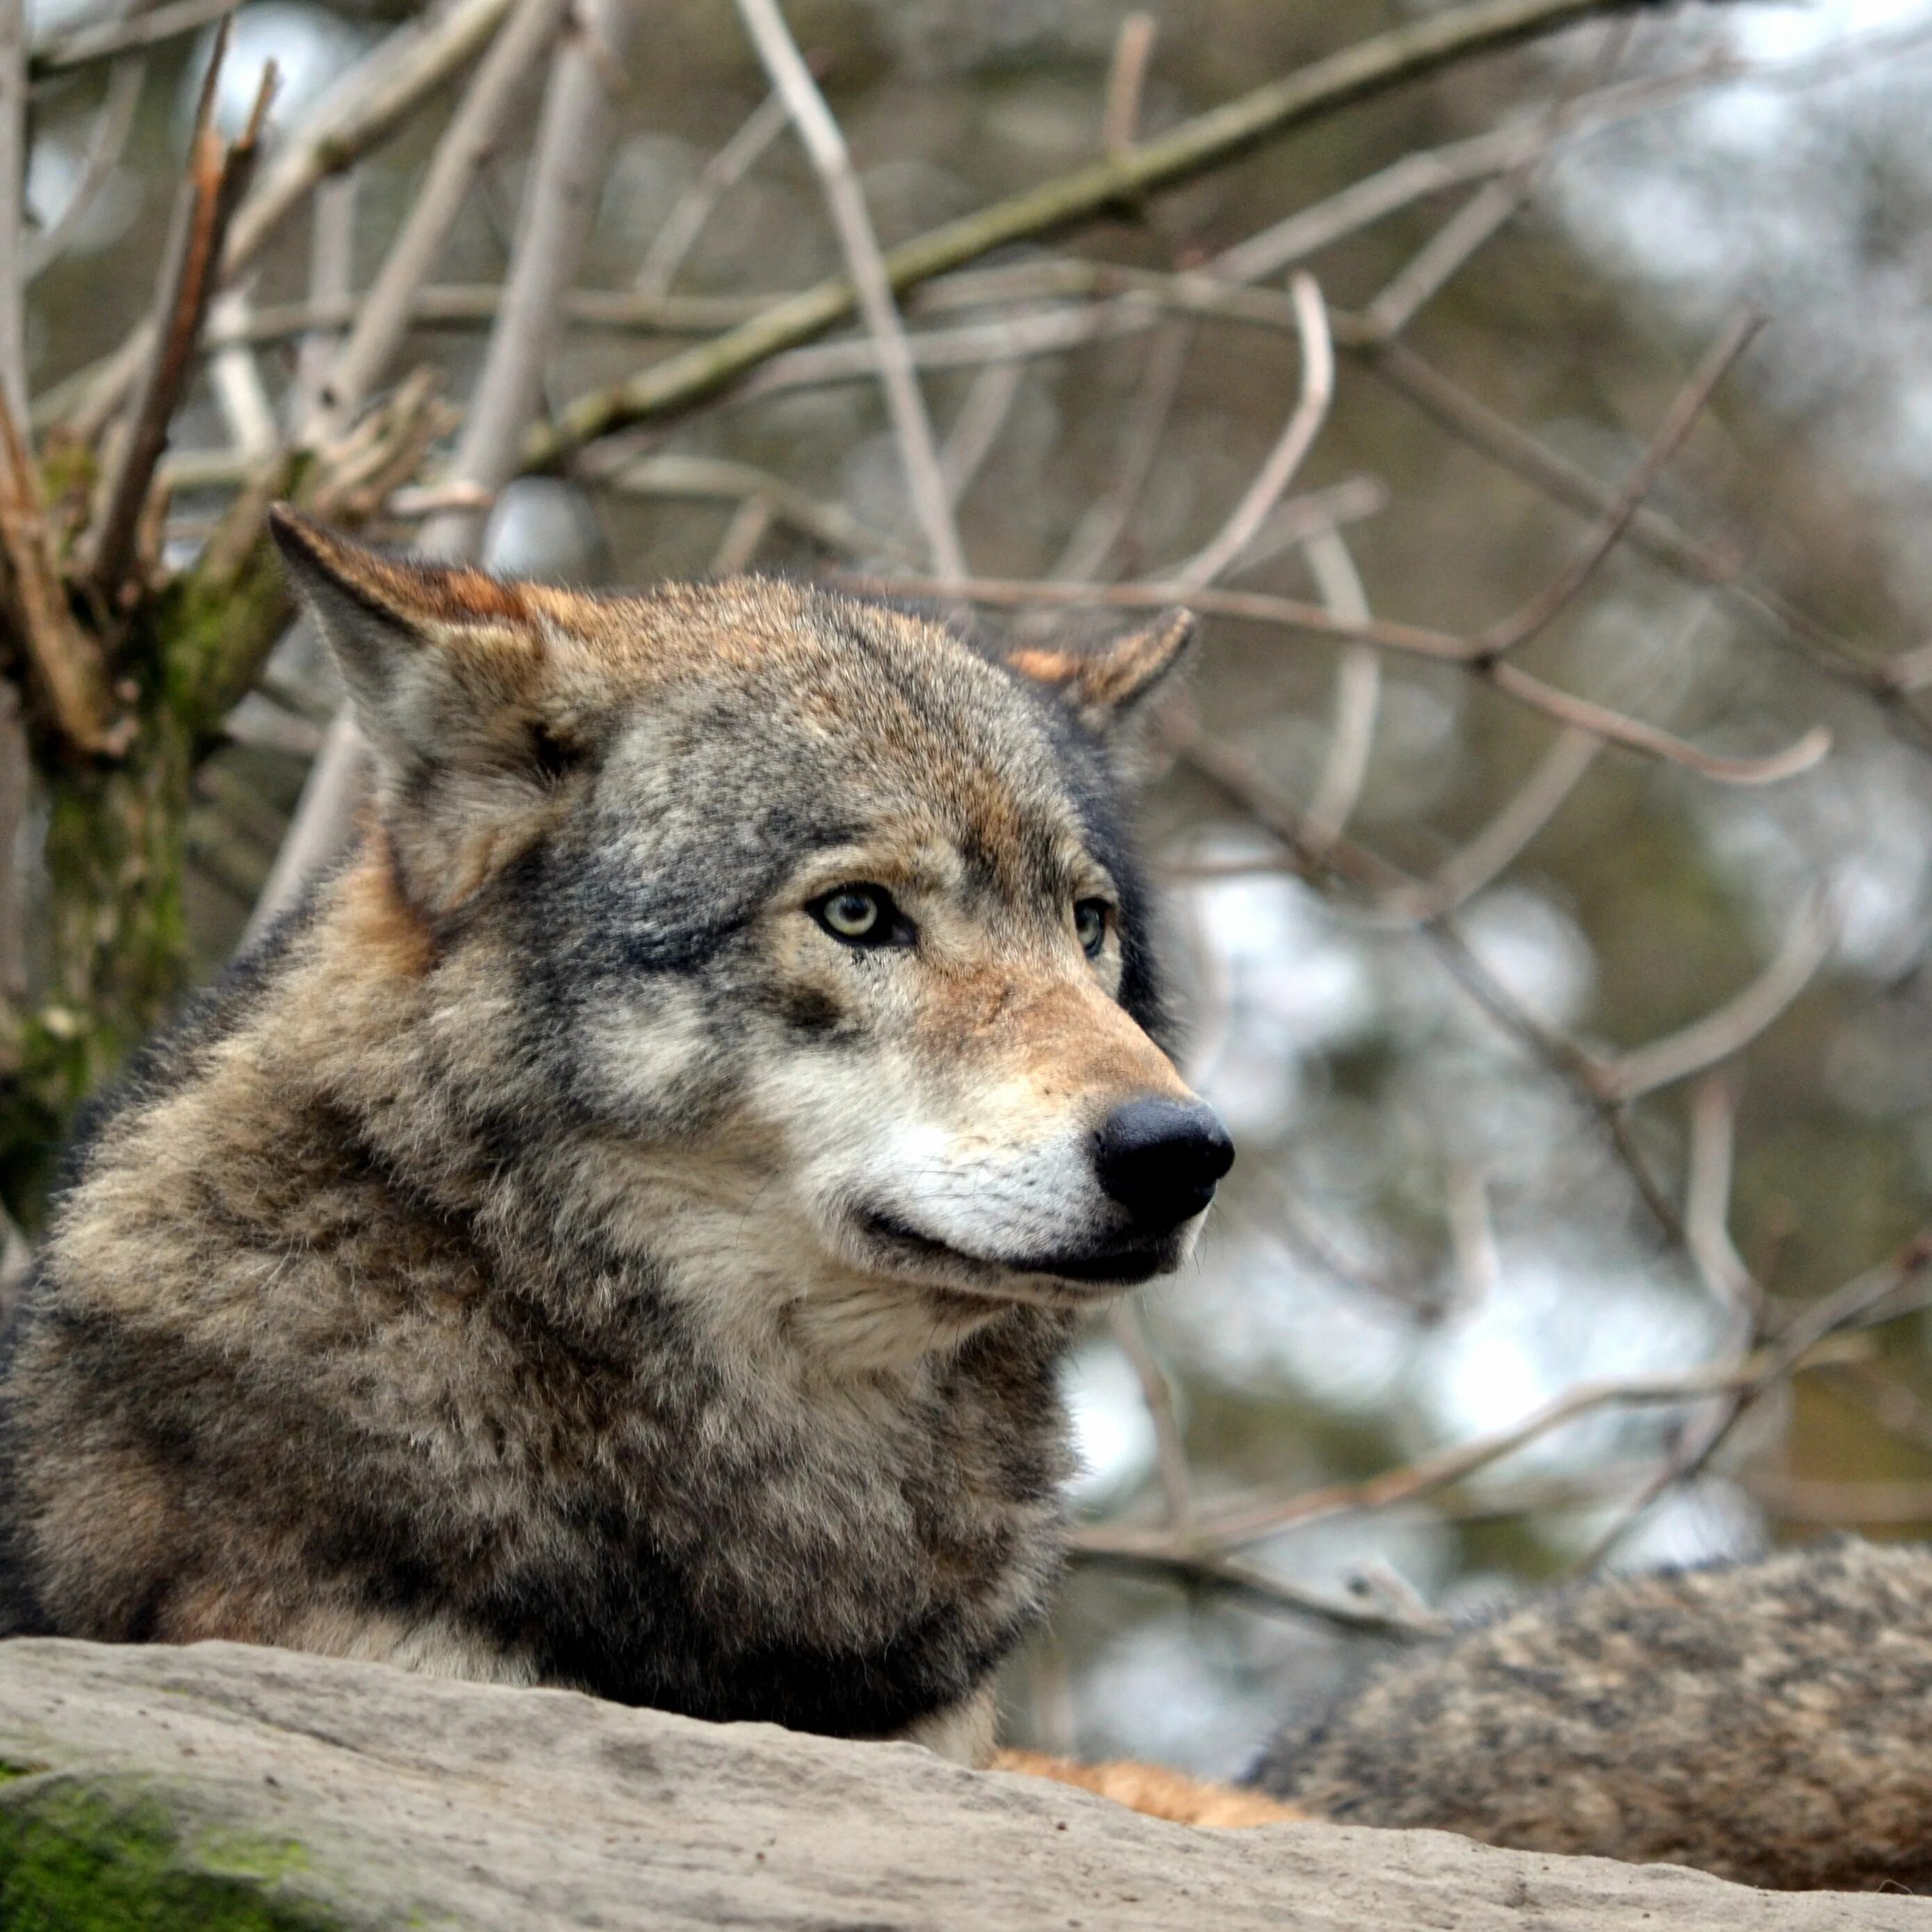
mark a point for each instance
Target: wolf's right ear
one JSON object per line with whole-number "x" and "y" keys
{"x": 1106, "y": 683}
{"x": 445, "y": 665}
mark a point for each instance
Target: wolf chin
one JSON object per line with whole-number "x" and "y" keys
{"x": 620, "y": 1233}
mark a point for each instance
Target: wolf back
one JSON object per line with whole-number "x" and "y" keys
{"x": 608, "y": 1238}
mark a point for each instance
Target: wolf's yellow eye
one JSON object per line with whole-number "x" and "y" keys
{"x": 1090, "y": 925}
{"x": 862, "y": 916}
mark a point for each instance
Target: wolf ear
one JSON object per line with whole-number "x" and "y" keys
{"x": 1106, "y": 683}
{"x": 445, "y": 665}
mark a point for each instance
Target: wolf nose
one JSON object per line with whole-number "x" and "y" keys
{"x": 1160, "y": 1160}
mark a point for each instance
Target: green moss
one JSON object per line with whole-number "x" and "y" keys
{"x": 104, "y": 1857}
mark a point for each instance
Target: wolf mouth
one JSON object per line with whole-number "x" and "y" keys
{"x": 1116, "y": 1267}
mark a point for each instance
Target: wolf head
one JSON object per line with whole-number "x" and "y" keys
{"x": 800, "y": 906}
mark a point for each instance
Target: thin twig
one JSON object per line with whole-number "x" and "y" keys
{"x": 1708, "y": 1432}
{"x": 1861, "y": 1302}
{"x": 976, "y": 428}
{"x": 12, "y": 207}
{"x": 1358, "y": 680}
{"x": 1290, "y": 451}
{"x": 693, "y": 210}
{"x": 1707, "y": 1203}
{"x": 1681, "y": 418}
{"x": 1126, "y": 81}
{"x": 825, "y": 145}
{"x": 717, "y": 479}
{"x": 1503, "y": 839}
{"x": 106, "y": 145}
{"x": 1100, "y": 530}
{"x": 1259, "y": 1588}
{"x": 332, "y": 270}
{"x": 1735, "y": 1024}
{"x": 1129, "y": 1330}
{"x": 84, "y": 46}
{"x": 559, "y": 206}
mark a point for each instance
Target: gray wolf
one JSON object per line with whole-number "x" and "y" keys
{"x": 620, "y": 1233}
{"x": 1770, "y": 1722}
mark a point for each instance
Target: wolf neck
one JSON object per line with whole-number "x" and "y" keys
{"x": 579, "y": 1222}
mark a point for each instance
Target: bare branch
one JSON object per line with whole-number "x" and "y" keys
{"x": 717, "y": 479}
{"x": 105, "y": 147}
{"x": 976, "y": 428}
{"x": 1497, "y": 846}
{"x": 1129, "y": 1330}
{"x": 1773, "y": 768}
{"x": 359, "y": 112}
{"x": 113, "y": 38}
{"x": 218, "y": 176}
{"x": 331, "y": 269}
{"x": 1126, "y": 81}
{"x": 468, "y": 145}
{"x": 1371, "y": 66}
{"x": 558, "y": 207}
{"x": 12, "y": 207}
{"x": 1430, "y": 269}
{"x": 1256, "y": 1587}
{"x": 1259, "y": 607}
{"x": 69, "y": 673}
{"x": 693, "y": 211}
{"x": 1677, "y": 425}
{"x": 1734, "y": 1025}
{"x": 826, "y": 145}
{"x": 1358, "y": 681}
{"x": 1291, "y": 449}
{"x": 1707, "y": 1203}
{"x": 1866, "y": 1301}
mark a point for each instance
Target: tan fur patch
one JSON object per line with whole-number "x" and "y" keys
{"x": 1159, "y": 1793}
{"x": 384, "y": 930}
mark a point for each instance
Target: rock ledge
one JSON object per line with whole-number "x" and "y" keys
{"x": 233, "y": 1790}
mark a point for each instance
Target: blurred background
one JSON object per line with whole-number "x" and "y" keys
{"x": 1427, "y": 933}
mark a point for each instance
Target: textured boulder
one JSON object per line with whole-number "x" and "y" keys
{"x": 232, "y": 1789}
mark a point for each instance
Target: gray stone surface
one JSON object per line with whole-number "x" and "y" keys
{"x": 222, "y": 1785}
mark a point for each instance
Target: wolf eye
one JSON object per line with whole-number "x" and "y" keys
{"x": 861, "y": 916}
{"x": 1090, "y": 925}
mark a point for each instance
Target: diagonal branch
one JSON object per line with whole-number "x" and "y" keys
{"x": 1562, "y": 589}
{"x": 218, "y": 176}
{"x": 1404, "y": 53}
{"x": 68, "y": 671}
{"x": 722, "y": 173}
{"x": 791, "y": 78}
{"x": 1291, "y": 449}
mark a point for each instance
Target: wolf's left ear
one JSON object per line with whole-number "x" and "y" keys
{"x": 1106, "y": 683}
{"x": 444, "y": 665}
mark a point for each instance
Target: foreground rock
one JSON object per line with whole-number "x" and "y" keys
{"x": 232, "y": 1789}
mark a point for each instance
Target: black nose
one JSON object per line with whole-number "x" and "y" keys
{"x": 1160, "y": 1160}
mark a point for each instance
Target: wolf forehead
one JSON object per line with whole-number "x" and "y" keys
{"x": 763, "y": 707}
